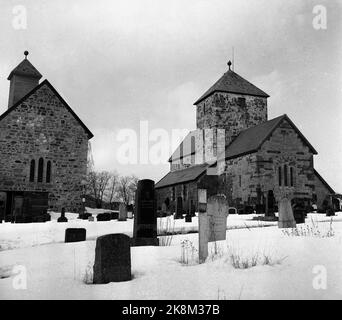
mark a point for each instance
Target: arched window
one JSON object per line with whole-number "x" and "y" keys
{"x": 48, "y": 172}
{"x": 279, "y": 176}
{"x": 285, "y": 175}
{"x": 40, "y": 169}
{"x": 32, "y": 170}
{"x": 291, "y": 177}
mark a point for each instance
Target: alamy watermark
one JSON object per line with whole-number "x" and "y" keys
{"x": 320, "y": 20}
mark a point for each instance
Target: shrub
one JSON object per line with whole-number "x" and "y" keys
{"x": 188, "y": 253}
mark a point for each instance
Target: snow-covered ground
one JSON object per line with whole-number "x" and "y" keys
{"x": 58, "y": 270}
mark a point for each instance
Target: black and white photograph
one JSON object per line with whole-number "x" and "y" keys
{"x": 170, "y": 150}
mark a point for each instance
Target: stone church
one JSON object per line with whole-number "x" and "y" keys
{"x": 237, "y": 151}
{"x": 43, "y": 149}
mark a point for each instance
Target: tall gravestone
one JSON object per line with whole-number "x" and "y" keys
{"x": 145, "y": 218}
{"x": 286, "y": 218}
{"x": 122, "y": 212}
{"x": 112, "y": 259}
{"x": 212, "y": 224}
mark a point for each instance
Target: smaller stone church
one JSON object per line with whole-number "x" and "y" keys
{"x": 43, "y": 149}
{"x": 237, "y": 151}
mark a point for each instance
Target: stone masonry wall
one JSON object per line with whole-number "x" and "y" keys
{"x": 250, "y": 177}
{"x": 42, "y": 127}
{"x": 229, "y": 112}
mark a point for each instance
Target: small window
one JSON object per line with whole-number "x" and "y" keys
{"x": 40, "y": 169}
{"x": 32, "y": 170}
{"x": 48, "y": 172}
{"x": 285, "y": 175}
{"x": 291, "y": 177}
{"x": 279, "y": 176}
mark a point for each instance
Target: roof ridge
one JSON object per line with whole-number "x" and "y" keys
{"x": 45, "y": 81}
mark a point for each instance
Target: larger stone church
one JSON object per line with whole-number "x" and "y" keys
{"x": 43, "y": 149}
{"x": 261, "y": 160}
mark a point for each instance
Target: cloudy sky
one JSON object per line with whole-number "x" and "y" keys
{"x": 121, "y": 62}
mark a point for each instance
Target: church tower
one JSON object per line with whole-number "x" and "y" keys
{"x": 23, "y": 78}
{"x": 233, "y": 104}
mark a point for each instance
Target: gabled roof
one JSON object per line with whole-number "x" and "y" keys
{"x": 185, "y": 148}
{"x": 181, "y": 176}
{"x": 46, "y": 82}
{"x": 324, "y": 182}
{"x": 250, "y": 140}
{"x": 25, "y": 68}
{"x": 231, "y": 82}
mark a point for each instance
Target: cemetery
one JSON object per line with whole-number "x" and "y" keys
{"x": 218, "y": 255}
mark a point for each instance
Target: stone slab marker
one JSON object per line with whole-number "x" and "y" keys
{"x": 217, "y": 210}
{"x": 62, "y": 218}
{"x": 286, "y": 218}
{"x": 122, "y": 212}
{"x": 75, "y": 234}
{"x": 212, "y": 224}
{"x": 145, "y": 217}
{"x": 112, "y": 259}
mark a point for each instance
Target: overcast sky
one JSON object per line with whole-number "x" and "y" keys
{"x": 120, "y": 62}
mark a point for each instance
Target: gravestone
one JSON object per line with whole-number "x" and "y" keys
{"x": 286, "y": 218}
{"x": 75, "y": 234}
{"x": 217, "y": 211}
{"x": 232, "y": 211}
{"x": 122, "y": 212}
{"x": 114, "y": 215}
{"x": 103, "y": 216}
{"x": 112, "y": 259}
{"x": 62, "y": 218}
{"x": 188, "y": 218}
{"x": 179, "y": 208}
{"x": 145, "y": 217}
{"x": 212, "y": 224}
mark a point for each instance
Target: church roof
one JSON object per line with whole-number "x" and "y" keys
{"x": 25, "y": 68}
{"x": 331, "y": 190}
{"x": 47, "y": 83}
{"x": 250, "y": 140}
{"x": 182, "y": 176}
{"x": 231, "y": 82}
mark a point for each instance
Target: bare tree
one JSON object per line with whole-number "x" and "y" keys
{"x": 112, "y": 186}
{"x": 97, "y": 185}
{"x": 126, "y": 188}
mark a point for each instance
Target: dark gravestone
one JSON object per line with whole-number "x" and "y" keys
{"x": 145, "y": 217}
{"x": 106, "y": 216}
{"x": 179, "y": 208}
{"x": 114, "y": 215}
{"x": 188, "y": 218}
{"x": 232, "y": 211}
{"x": 62, "y": 218}
{"x": 112, "y": 259}
{"x": 75, "y": 234}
